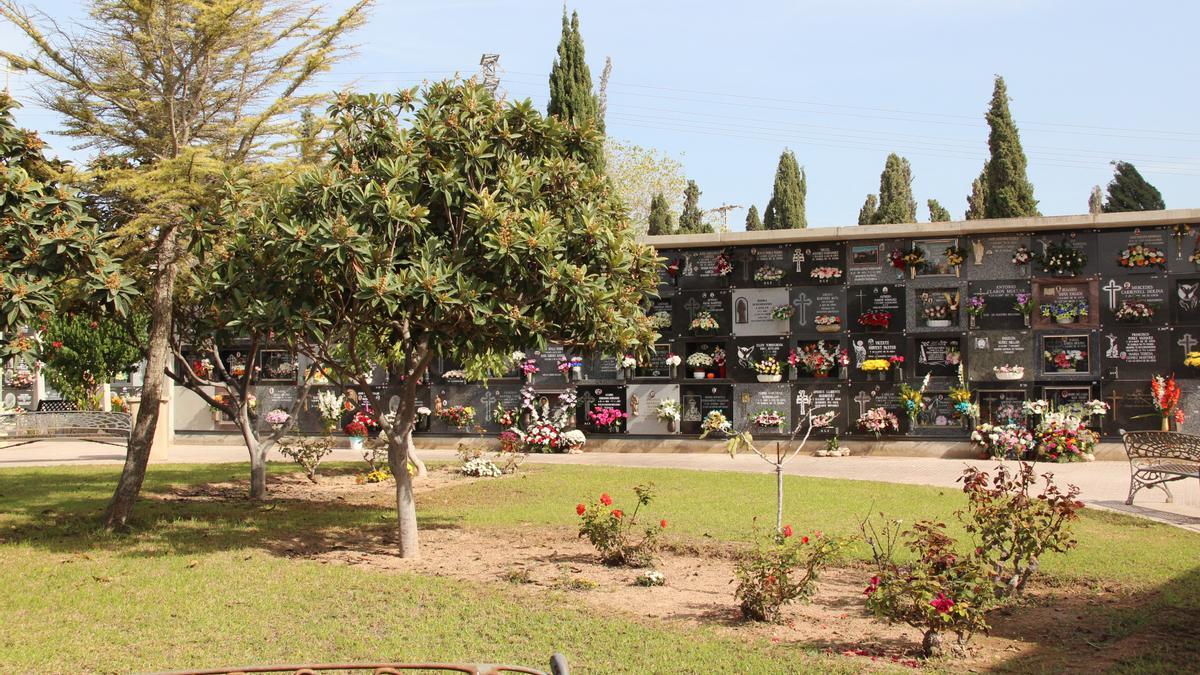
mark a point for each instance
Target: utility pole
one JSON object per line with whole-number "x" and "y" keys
{"x": 487, "y": 68}
{"x": 724, "y": 210}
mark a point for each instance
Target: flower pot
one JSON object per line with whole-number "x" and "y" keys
{"x": 770, "y": 378}
{"x": 1070, "y": 369}
{"x": 699, "y": 374}
{"x": 628, "y": 373}
{"x": 912, "y": 272}
{"x": 671, "y": 426}
{"x": 829, "y": 328}
{"x": 356, "y": 442}
{"x": 1064, "y": 319}
{"x": 898, "y": 374}
{"x": 972, "y": 322}
{"x": 711, "y": 376}
{"x": 566, "y": 376}
{"x": 781, "y": 325}
{"x": 1166, "y": 423}
{"x": 957, "y": 271}
{"x": 1026, "y": 317}
{"x": 1009, "y": 376}
{"x": 528, "y": 378}
{"x": 577, "y": 372}
{"x": 937, "y": 323}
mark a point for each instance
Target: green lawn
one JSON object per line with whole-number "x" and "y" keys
{"x": 211, "y": 583}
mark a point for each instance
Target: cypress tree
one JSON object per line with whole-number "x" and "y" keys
{"x": 937, "y": 212}
{"x": 896, "y": 203}
{"x": 753, "y": 222}
{"x": 571, "y": 97}
{"x": 977, "y": 200}
{"x": 660, "y": 215}
{"x": 691, "y": 221}
{"x": 786, "y": 209}
{"x": 1009, "y": 194}
{"x": 866, "y": 215}
{"x": 1128, "y": 191}
{"x": 1096, "y": 200}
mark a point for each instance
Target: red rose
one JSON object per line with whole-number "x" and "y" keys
{"x": 787, "y": 530}
{"x": 605, "y": 499}
{"x": 617, "y": 513}
{"x": 804, "y": 540}
{"x": 580, "y": 508}
{"x": 57, "y": 344}
{"x": 662, "y": 524}
{"x": 93, "y": 324}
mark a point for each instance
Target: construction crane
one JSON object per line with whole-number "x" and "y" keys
{"x": 724, "y": 210}
{"x": 488, "y": 63}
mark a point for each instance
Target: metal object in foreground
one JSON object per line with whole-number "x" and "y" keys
{"x": 558, "y": 666}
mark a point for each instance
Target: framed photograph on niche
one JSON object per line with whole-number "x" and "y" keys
{"x": 942, "y": 258}
{"x": 1066, "y": 354}
{"x": 1065, "y": 303}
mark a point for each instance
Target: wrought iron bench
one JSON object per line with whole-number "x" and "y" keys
{"x": 558, "y": 666}
{"x": 60, "y": 419}
{"x": 1159, "y": 457}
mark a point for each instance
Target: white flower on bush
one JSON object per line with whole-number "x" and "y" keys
{"x": 628, "y": 361}
{"x": 651, "y": 578}
{"x": 574, "y": 438}
{"x": 480, "y": 467}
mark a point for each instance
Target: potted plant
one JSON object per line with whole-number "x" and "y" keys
{"x": 874, "y": 367}
{"x": 833, "y": 449}
{"x": 1007, "y": 372}
{"x": 1068, "y": 311}
{"x": 976, "y": 306}
{"x": 1140, "y": 255}
{"x": 955, "y": 257}
{"x": 825, "y": 274}
{"x": 768, "y": 275}
{"x": 782, "y": 314}
{"x": 331, "y": 406}
{"x": 704, "y": 322}
{"x": 913, "y": 400}
{"x": 673, "y": 362}
{"x": 358, "y": 428}
{"x": 1064, "y": 360}
{"x": 771, "y": 420}
{"x": 1024, "y": 305}
{"x": 768, "y": 370}
{"x": 936, "y": 316}
{"x": 828, "y": 323}
{"x": 277, "y": 418}
{"x": 699, "y": 362}
{"x": 1134, "y": 311}
{"x": 669, "y": 410}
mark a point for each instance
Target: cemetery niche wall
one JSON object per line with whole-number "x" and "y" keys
{"x": 1068, "y": 314}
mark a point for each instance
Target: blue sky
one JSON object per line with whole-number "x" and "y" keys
{"x": 726, "y": 86}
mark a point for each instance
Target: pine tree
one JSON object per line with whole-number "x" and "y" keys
{"x": 571, "y": 96}
{"x": 1128, "y": 191}
{"x": 896, "y": 203}
{"x": 660, "y": 216}
{"x": 977, "y": 200}
{"x": 786, "y": 209}
{"x": 691, "y": 221}
{"x": 1009, "y": 194}
{"x": 753, "y": 222}
{"x": 1096, "y": 200}
{"x": 866, "y": 215}
{"x": 937, "y": 212}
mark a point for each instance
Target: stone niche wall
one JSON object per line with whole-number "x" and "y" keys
{"x": 849, "y": 295}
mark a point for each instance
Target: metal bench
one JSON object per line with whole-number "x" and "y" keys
{"x": 58, "y": 419}
{"x": 1159, "y": 457}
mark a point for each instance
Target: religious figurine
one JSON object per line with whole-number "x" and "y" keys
{"x": 977, "y": 250}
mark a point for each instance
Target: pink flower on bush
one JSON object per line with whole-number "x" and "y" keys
{"x": 617, "y": 513}
{"x": 605, "y": 499}
{"x": 580, "y": 508}
{"x": 872, "y": 586}
{"x": 662, "y": 524}
{"x": 787, "y": 530}
{"x": 941, "y": 603}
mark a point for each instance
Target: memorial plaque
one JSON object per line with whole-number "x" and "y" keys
{"x": 1185, "y": 301}
{"x": 1131, "y": 407}
{"x": 937, "y": 415}
{"x": 700, "y": 399}
{"x": 601, "y": 367}
{"x": 865, "y": 396}
{"x": 989, "y": 350}
{"x": 1083, "y": 241}
{"x": 235, "y": 363}
{"x": 939, "y": 356}
{"x": 760, "y": 266}
{"x": 751, "y": 399}
{"x": 1126, "y": 301}
{"x": 1002, "y": 406}
{"x": 822, "y": 352}
{"x": 308, "y": 419}
{"x": 752, "y": 308}
{"x": 272, "y": 397}
{"x": 423, "y": 423}
{"x": 717, "y": 350}
{"x": 864, "y": 346}
{"x": 884, "y": 303}
{"x": 748, "y": 350}
{"x": 1062, "y": 299}
{"x": 508, "y": 396}
{"x": 547, "y": 360}
{"x": 820, "y": 263}
{"x": 662, "y": 316}
{"x": 997, "y": 257}
{"x": 1184, "y": 248}
{"x": 643, "y": 406}
{"x": 1134, "y": 353}
{"x": 593, "y": 397}
{"x": 668, "y": 274}
{"x": 870, "y": 262}
{"x": 277, "y": 366}
{"x": 937, "y": 263}
{"x": 704, "y": 268}
{"x": 1182, "y": 341}
{"x": 691, "y": 306}
{"x": 819, "y": 397}
{"x": 1189, "y": 400}
{"x": 1067, "y": 355}
{"x": 938, "y": 308}
{"x": 1000, "y": 304}
{"x": 1138, "y": 251}
{"x": 452, "y": 395}
{"x": 818, "y": 309}
{"x": 656, "y": 364}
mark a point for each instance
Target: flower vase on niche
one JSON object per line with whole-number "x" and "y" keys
{"x": 671, "y": 426}
{"x": 1166, "y": 423}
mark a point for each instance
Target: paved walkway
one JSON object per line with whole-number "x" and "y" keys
{"x": 1103, "y": 484}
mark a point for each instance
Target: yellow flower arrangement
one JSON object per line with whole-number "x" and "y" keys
{"x": 1192, "y": 360}
{"x": 875, "y": 365}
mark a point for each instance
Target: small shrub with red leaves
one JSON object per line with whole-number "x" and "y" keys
{"x": 781, "y": 568}
{"x": 615, "y": 533}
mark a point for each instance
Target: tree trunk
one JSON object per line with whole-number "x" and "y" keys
{"x": 412, "y": 457}
{"x": 137, "y": 455}
{"x": 258, "y": 454}
{"x": 779, "y": 497}
{"x": 406, "y": 505}
{"x": 931, "y": 644}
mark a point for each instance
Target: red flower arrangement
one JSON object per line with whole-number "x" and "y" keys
{"x": 897, "y": 259}
{"x": 875, "y": 319}
{"x": 1166, "y": 398}
{"x": 360, "y": 426}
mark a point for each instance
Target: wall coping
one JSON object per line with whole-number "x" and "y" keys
{"x": 955, "y": 228}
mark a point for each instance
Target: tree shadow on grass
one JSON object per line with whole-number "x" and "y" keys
{"x": 61, "y": 512}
